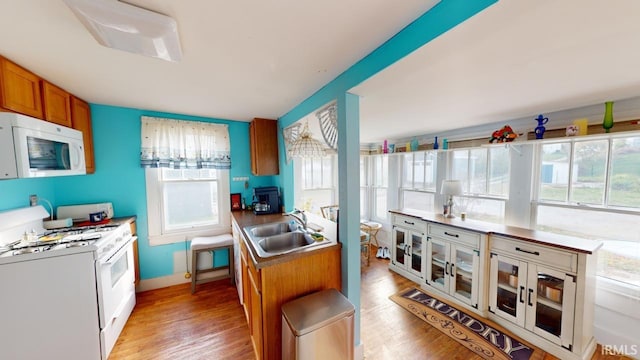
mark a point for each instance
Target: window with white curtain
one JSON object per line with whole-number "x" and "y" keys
{"x": 594, "y": 185}
{"x": 187, "y": 180}
{"x": 484, "y": 173}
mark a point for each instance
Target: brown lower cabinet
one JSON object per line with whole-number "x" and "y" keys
{"x": 265, "y": 290}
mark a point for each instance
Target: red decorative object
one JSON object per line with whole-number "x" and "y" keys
{"x": 236, "y": 201}
{"x": 506, "y": 134}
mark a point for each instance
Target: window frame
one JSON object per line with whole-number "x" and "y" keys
{"x": 376, "y": 184}
{"x": 467, "y": 196}
{"x": 300, "y": 188}
{"x": 430, "y": 191}
{"x": 604, "y": 206}
{"x": 158, "y": 235}
{"x": 570, "y": 204}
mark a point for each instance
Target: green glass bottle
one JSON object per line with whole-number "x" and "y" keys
{"x": 607, "y": 123}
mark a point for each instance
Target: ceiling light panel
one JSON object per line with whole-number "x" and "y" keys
{"x": 129, "y": 28}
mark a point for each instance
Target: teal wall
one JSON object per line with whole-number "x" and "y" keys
{"x": 120, "y": 179}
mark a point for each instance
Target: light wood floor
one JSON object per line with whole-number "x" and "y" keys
{"x": 171, "y": 323}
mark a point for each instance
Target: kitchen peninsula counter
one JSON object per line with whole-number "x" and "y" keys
{"x": 268, "y": 283}
{"x": 247, "y": 218}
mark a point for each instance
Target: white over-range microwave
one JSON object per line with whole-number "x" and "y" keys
{"x": 32, "y": 147}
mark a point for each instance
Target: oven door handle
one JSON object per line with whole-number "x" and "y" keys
{"x": 118, "y": 254}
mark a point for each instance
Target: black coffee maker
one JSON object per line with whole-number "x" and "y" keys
{"x": 266, "y": 200}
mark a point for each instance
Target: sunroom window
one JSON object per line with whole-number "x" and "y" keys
{"x": 591, "y": 188}
{"x": 484, "y": 173}
{"x": 419, "y": 179}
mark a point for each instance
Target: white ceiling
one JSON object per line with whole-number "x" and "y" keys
{"x": 251, "y": 58}
{"x": 515, "y": 59}
{"x": 241, "y": 59}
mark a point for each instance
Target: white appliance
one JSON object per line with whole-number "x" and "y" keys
{"x": 37, "y": 148}
{"x": 71, "y": 290}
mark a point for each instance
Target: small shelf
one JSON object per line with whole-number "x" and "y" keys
{"x": 465, "y": 277}
{"x": 464, "y": 272}
{"x": 465, "y": 266}
{"x": 508, "y": 288}
{"x": 552, "y": 304}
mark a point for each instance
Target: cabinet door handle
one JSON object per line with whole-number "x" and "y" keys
{"x": 450, "y": 234}
{"x": 446, "y": 268}
{"x": 521, "y": 297}
{"x": 451, "y": 270}
{"x": 536, "y": 253}
{"x": 409, "y": 222}
{"x": 530, "y": 293}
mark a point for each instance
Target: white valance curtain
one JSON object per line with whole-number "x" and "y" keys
{"x": 182, "y": 144}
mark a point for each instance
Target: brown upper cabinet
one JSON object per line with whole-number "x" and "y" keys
{"x": 57, "y": 104}
{"x": 19, "y": 89}
{"x": 263, "y": 143}
{"x": 81, "y": 120}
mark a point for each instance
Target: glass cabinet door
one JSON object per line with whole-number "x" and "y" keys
{"x": 508, "y": 282}
{"x": 438, "y": 264}
{"x": 416, "y": 254}
{"x": 550, "y": 300}
{"x": 464, "y": 274}
{"x": 399, "y": 245}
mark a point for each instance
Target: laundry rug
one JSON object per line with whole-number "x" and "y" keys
{"x": 475, "y": 335}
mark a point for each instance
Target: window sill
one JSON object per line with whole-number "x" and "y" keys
{"x": 178, "y": 237}
{"x": 618, "y": 297}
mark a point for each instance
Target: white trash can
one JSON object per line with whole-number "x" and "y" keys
{"x": 318, "y": 326}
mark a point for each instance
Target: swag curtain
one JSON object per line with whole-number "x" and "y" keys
{"x": 179, "y": 144}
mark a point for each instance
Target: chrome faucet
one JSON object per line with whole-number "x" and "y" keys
{"x": 299, "y": 216}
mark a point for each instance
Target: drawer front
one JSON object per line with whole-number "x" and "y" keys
{"x": 454, "y": 234}
{"x": 410, "y": 223}
{"x": 563, "y": 260}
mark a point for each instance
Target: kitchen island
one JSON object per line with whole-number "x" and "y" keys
{"x": 266, "y": 283}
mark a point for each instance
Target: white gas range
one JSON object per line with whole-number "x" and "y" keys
{"x": 73, "y": 283}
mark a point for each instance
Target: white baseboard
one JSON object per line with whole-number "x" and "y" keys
{"x": 173, "y": 279}
{"x": 358, "y": 352}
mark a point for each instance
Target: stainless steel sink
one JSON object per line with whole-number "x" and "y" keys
{"x": 285, "y": 242}
{"x": 276, "y": 239}
{"x": 269, "y": 229}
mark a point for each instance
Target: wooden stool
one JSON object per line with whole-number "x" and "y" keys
{"x": 365, "y": 244}
{"x": 371, "y": 228}
{"x": 210, "y": 243}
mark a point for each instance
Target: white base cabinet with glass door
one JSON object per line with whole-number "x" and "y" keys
{"x": 535, "y": 289}
{"x": 408, "y": 246}
{"x": 453, "y": 264}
